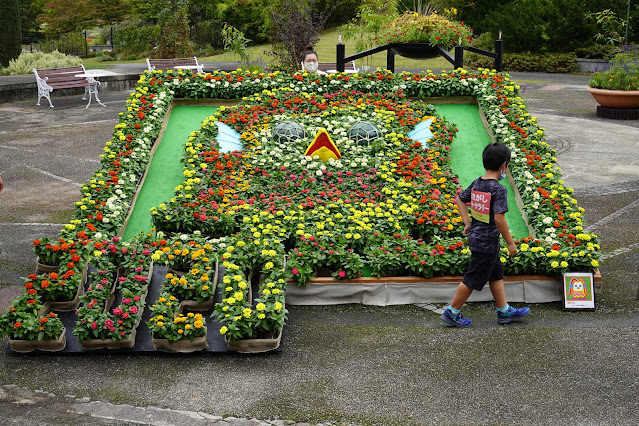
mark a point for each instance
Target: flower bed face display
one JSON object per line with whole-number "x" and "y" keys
{"x": 288, "y": 205}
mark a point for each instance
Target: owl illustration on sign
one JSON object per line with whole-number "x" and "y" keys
{"x": 578, "y": 289}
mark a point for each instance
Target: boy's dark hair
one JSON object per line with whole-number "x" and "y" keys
{"x": 495, "y": 155}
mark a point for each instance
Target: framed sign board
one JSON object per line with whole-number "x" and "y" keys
{"x": 579, "y": 291}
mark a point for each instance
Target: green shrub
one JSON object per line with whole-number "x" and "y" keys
{"x": 135, "y": 37}
{"x": 596, "y": 51}
{"x": 26, "y": 62}
{"x": 535, "y": 25}
{"x": 530, "y": 62}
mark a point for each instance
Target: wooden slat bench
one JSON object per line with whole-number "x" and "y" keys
{"x": 349, "y": 67}
{"x": 61, "y": 78}
{"x": 170, "y": 64}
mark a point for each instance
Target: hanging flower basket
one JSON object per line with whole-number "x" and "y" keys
{"x": 416, "y": 50}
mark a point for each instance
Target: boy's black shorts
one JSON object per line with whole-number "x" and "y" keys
{"x": 483, "y": 267}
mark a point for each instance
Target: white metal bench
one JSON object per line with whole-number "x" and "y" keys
{"x": 62, "y": 78}
{"x": 331, "y": 67}
{"x": 172, "y": 64}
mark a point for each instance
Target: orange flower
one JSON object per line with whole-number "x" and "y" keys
{"x": 17, "y": 325}
{"x": 45, "y": 284}
{"x": 44, "y": 320}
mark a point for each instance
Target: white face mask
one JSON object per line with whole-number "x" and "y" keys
{"x": 310, "y": 66}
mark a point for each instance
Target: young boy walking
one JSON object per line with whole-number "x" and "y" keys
{"x": 489, "y": 205}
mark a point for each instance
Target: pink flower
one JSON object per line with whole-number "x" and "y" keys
{"x": 117, "y": 311}
{"x": 295, "y": 271}
{"x": 94, "y": 325}
{"x": 341, "y": 274}
{"x": 133, "y": 309}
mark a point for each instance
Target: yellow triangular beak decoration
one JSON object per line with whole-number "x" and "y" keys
{"x": 323, "y": 147}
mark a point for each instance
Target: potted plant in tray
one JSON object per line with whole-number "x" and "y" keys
{"x": 618, "y": 86}
{"x": 30, "y": 327}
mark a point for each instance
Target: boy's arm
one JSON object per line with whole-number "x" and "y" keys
{"x": 463, "y": 211}
{"x": 502, "y": 225}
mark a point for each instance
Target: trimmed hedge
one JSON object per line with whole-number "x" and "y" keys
{"x": 527, "y": 61}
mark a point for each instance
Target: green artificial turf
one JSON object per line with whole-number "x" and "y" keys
{"x": 165, "y": 171}
{"x": 466, "y": 156}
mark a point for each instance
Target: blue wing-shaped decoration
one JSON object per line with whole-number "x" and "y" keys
{"x": 228, "y": 138}
{"x": 422, "y": 132}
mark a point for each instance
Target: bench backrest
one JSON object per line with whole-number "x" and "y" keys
{"x": 64, "y": 77}
{"x": 332, "y": 66}
{"x": 168, "y": 64}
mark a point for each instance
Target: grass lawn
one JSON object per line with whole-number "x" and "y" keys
{"x": 325, "y": 49}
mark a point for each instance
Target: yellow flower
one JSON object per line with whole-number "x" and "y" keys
{"x": 198, "y": 324}
{"x": 260, "y": 306}
{"x": 160, "y": 323}
{"x": 180, "y": 331}
{"x": 198, "y": 316}
{"x": 261, "y": 316}
{"x": 187, "y": 326}
{"x": 223, "y": 330}
{"x": 278, "y": 306}
{"x": 594, "y": 263}
{"x": 564, "y": 264}
{"x": 554, "y": 264}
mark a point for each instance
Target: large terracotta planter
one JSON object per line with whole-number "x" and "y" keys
{"x": 416, "y": 50}
{"x": 615, "y": 98}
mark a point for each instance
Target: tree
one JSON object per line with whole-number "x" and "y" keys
{"x": 63, "y": 16}
{"x": 174, "y": 38}
{"x": 295, "y": 27}
{"x": 10, "y": 35}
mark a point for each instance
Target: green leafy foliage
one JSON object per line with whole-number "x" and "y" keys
{"x": 235, "y": 42}
{"x": 10, "y": 34}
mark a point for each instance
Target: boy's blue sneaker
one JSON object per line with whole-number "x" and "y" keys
{"x": 455, "y": 320}
{"x": 511, "y": 314}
